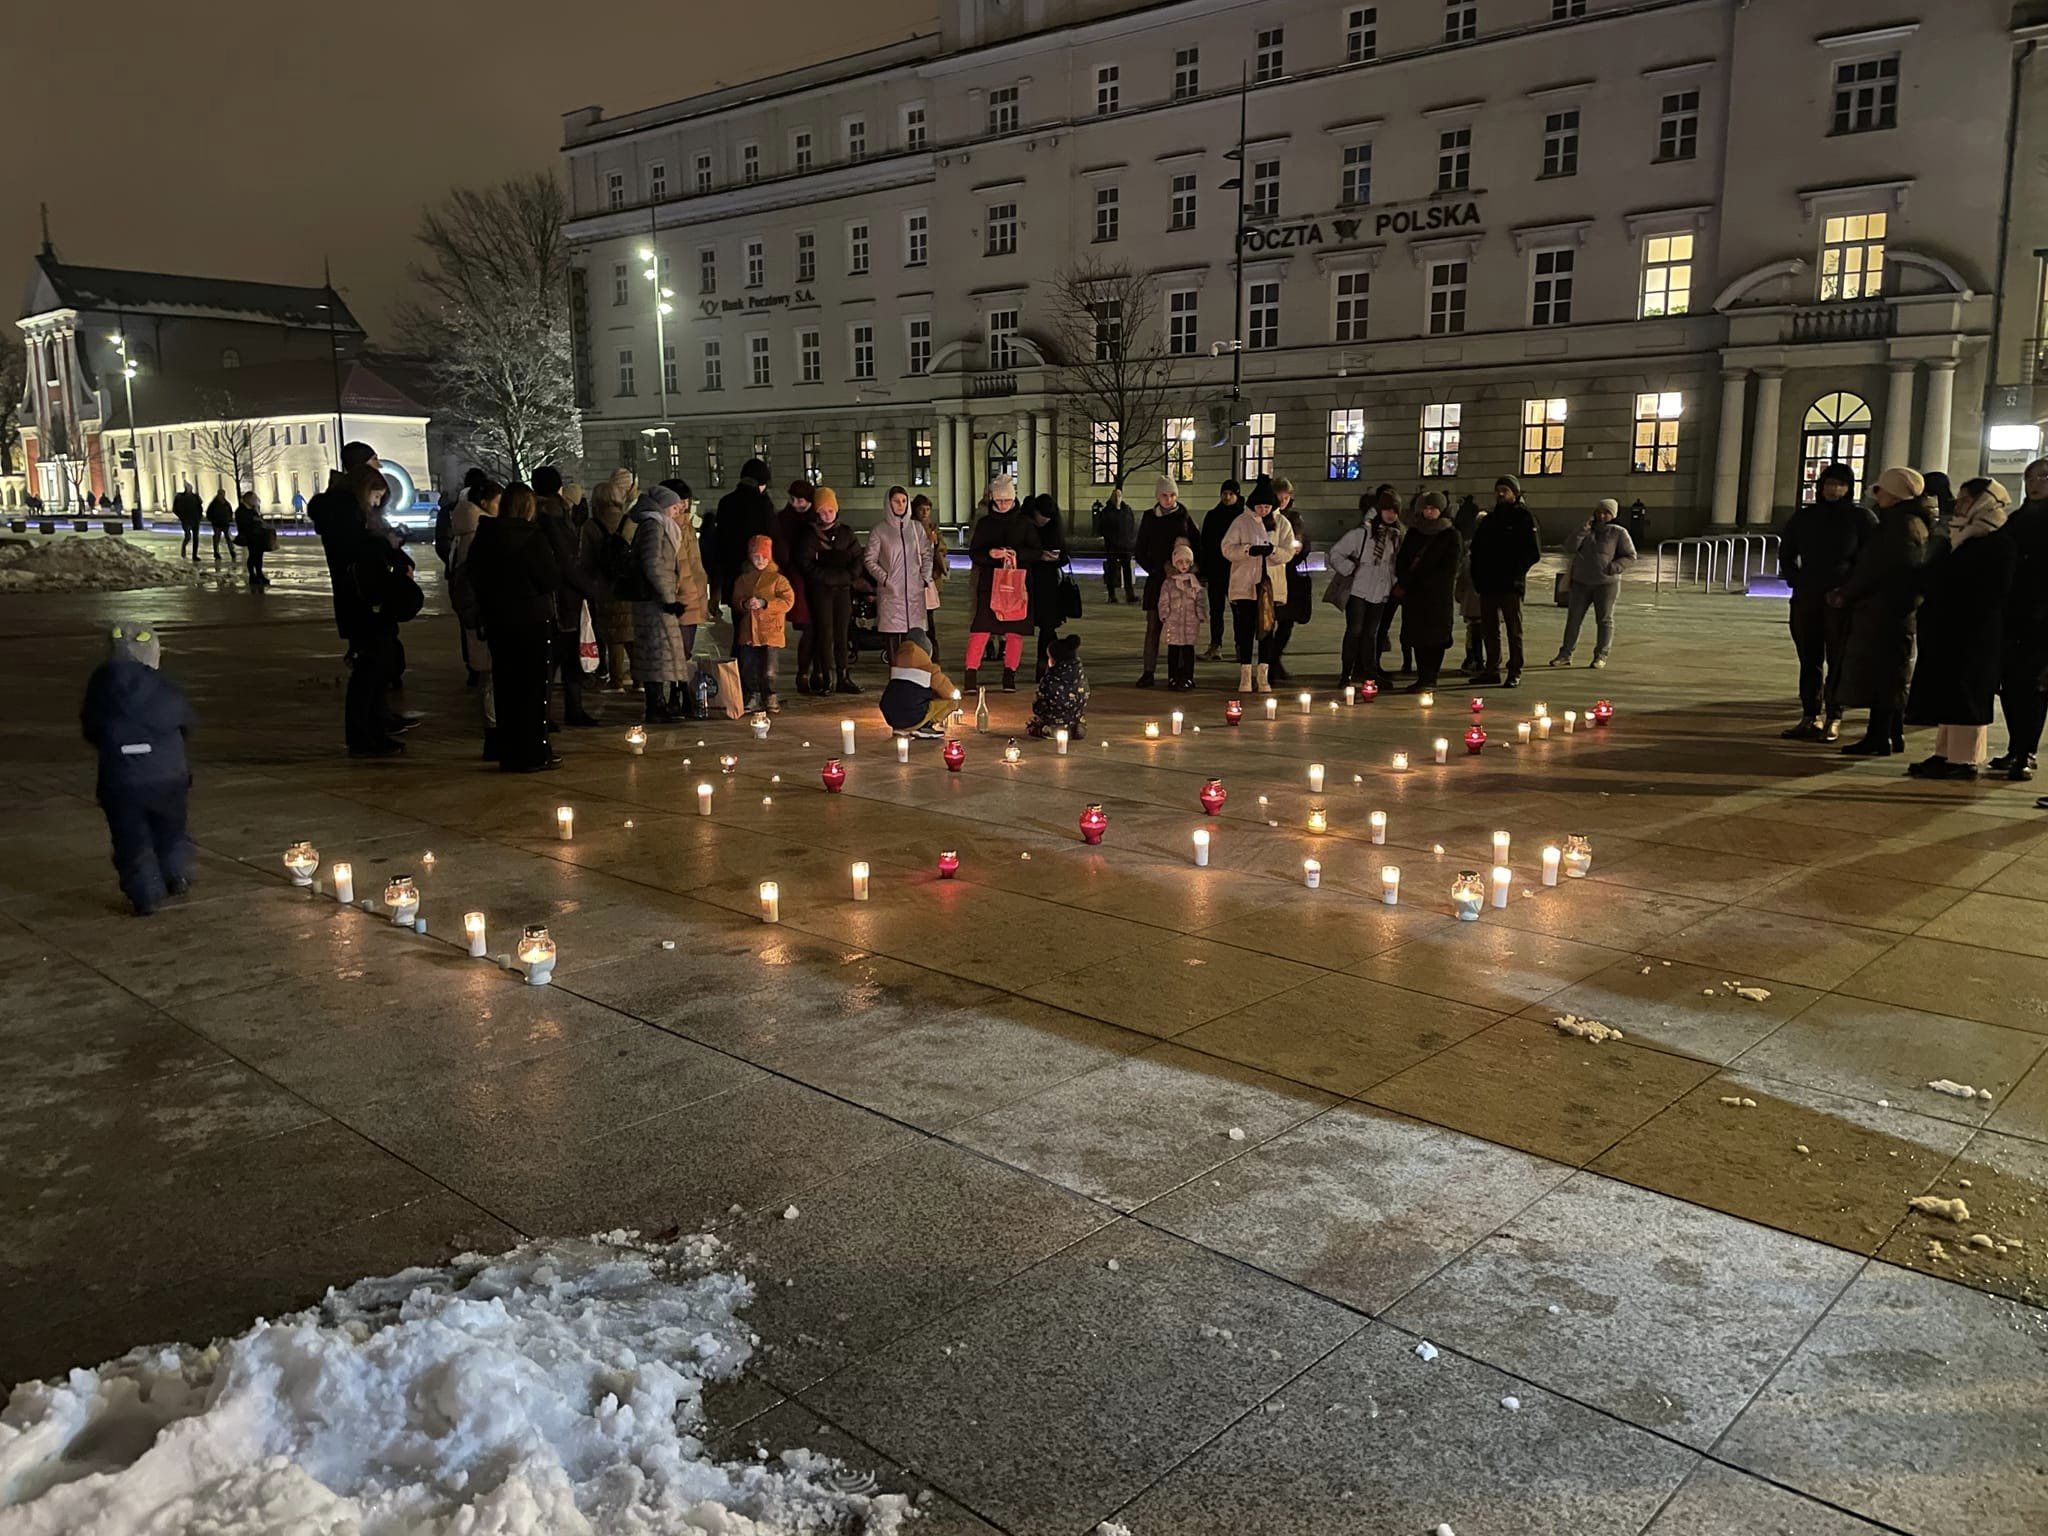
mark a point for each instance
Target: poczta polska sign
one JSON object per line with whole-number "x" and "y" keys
{"x": 1421, "y": 219}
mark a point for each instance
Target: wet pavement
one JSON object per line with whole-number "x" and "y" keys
{"x": 1127, "y": 1190}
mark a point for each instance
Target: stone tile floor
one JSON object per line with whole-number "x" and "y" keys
{"x": 1128, "y": 1190}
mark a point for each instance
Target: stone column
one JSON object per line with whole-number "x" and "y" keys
{"x": 1728, "y": 448}
{"x": 1936, "y": 429}
{"x": 1898, "y": 415}
{"x": 965, "y": 482}
{"x": 1763, "y": 448}
{"x": 942, "y": 461}
{"x": 1042, "y": 455}
{"x": 1027, "y": 458}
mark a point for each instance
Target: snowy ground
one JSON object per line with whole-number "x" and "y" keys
{"x": 81, "y": 563}
{"x": 549, "y": 1391}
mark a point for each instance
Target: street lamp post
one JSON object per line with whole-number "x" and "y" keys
{"x": 120, "y": 340}
{"x": 662, "y": 310}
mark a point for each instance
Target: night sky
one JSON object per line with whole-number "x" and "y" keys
{"x": 239, "y": 139}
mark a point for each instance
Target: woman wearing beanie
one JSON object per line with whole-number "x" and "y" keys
{"x": 1879, "y": 597}
{"x": 1165, "y": 524}
{"x": 793, "y": 526}
{"x": 1362, "y": 583}
{"x": 1004, "y": 540}
{"x": 1258, "y": 547}
{"x": 1210, "y": 564}
{"x": 1425, "y": 585}
{"x": 1962, "y": 630}
{"x": 829, "y": 558}
{"x": 1819, "y": 549}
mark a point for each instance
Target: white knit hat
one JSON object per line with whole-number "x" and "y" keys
{"x": 1002, "y": 485}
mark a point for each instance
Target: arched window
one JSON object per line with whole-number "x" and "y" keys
{"x": 1837, "y": 431}
{"x": 1002, "y": 454}
{"x": 230, "y": 358}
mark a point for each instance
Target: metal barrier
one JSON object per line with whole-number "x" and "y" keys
{"x": 1729, "y": 559}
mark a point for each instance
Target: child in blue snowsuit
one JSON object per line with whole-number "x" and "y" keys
{"x": 138, "y": 719}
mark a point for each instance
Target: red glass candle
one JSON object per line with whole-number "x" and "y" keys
{"x": 1602, "y": 712}
{"x": 1233, "y": 712}
{"x": 1369, "y": 689}
{"x": 1213, "y": 796}
{"x": 1093, "y": 820}
{"x": 949, "y": 864}
{"x": 1475, "y": 739}
{"x": 1478, "y": 706}
{"x": 834, "y": 775}
{"x": 954, "y": 754}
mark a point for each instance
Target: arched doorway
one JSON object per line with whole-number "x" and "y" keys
{"x": 1837, "y": 431}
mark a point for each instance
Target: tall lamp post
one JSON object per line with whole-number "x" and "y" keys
{"x": 120, "y": 341}
{"x": 662, "y": 310}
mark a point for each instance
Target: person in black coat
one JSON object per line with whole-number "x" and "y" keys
{"x": 1003, "y": 536}
{"x": 1209, "y": 561}
{"x": 577, "y": 583}
{"x": 513, "y": 569}
{"x": 1425, "y": 585}
{"x": 1298, "y": 604}
{"x": 377, "y": 578}
{"x": 220, "y": 517}
{"x": 138, "y": 720}
{"x": 1964, "y": 587}
{"x": 744, "y": 513}
{"x": 1504, "y": 547}
{"x": 189, "y": 510}
{"x": 827, "y": 561}
{"x": 1880, "y": 597}
{"x": 1164, "y": 524}
{"x": 2024, "y": 661}
{"x": 1819, "y": 549}
{"x": 1044, "y": 577}
{"x": 1117, "y": 525}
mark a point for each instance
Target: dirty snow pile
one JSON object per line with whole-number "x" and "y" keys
{"x": 551, "y": 1391}
{"x": 76, "y": 564}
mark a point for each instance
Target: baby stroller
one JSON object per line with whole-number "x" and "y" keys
{"x": 866, "y": 635}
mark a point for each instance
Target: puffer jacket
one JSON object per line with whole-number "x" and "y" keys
{"x": 899, "y": 558}
{"x": 1183, "y": 609}
{"x": 1880, "y": 596}
{"x": 1246, "y": 568}
{"x": 1600, "y": 553}
{"x": 1364, "y": 557}
{"x": 762, "y": 626}
{"x": 137, "y": 719}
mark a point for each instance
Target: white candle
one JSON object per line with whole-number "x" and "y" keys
{"x": 703, "y": 799}
{"x": 1315, "y": 777}
{"x": 1501, "y": 842}
{"x": 1551, "y": 858}
{"x": 473, "y": 925}
{"x": 771, "y": 902}
{"x": 1202, "y": 848}
{"x": 1311, "y": 873}
{"x": 1503, "y": 877}
{"x": 1443, "y": 749}
{"x": 565, "y": 822}
{"x": 1390, "y": 884}
{"x": 344, "y": 884}
{"x": 902, "y": 749}
{"x": 1543, "y": 727}
{"x": 1542, "y": 710}
{"x": 1272, "y": 707}
{"x": 1378, "y": 823}
{"x": 1178, "y": 717}
{"x": 1060, "y": 738}
{"x": 846, "y": 737}
{"x": 1522, "y": 731}
{"x": 1571, "y": 718}
{"x": 1307, "y": 701}
{"x": 860, "y": 881}
{"x": 1400, "y": 762}
{"x": 1350, "y": 693}
{"x": 1427, "y": 699}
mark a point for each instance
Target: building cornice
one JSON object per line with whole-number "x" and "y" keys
{"x": 1865, "y": 37}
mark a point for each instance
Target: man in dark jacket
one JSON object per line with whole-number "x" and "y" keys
{"x": 1818, "y": 551}
{"x": 576, "y": 584}
{"x": 138, "y": 720}
{"x": 2025, "y": 649}
{"x": 220, "y": 517}
{"x": 1165, "y": 523}
{"x": 793, "y": 526}
{"x": 338, "y": 519}
{"x": 1504, "y": 547}
{"x": 744, "y": 513}
{"x": 1117, "y": 525}
{"x": 189, "y": 510}
{"x": 518, "y": 587}
{"x": 1214, "y": 568}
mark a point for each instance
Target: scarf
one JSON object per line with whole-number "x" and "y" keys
{"x": 1988, "y": 511}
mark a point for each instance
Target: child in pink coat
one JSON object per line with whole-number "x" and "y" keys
{"x": 1182, "y": 608}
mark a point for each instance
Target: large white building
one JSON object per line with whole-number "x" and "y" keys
{"x": 1685, "y": 251}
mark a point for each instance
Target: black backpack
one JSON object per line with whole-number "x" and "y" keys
{"x": 622, "y": 571}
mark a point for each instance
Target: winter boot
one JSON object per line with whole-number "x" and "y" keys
{"x": 973, "y": 680}
{"x": 658, "y": 711}
{"x": 1832, "y": 729}
{"x": 490, "y": 744}
{"x": 1009, "y": 680}
{"x": 1244, "y": 679}
{"x": 1877, "y": 738}
{"x": 1262, "y": 679}
{"x": 846, "y": 685}
{"x": 1808, "y": 729}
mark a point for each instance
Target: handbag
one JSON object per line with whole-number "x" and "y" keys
{"x": 1561, "y": 589}
{"x": 586, "y": 642}
{"x": 1070, "y": 595}
{"x": 1337, "y": 590}
{"x": 1009, "y": 595}
{"x": 732, "y": 696}
{"x": 931, "y": 596}
{"x": 1265, "y": 597}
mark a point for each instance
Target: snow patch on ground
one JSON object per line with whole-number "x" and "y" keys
{"x": 555, "y": 1390}
{"x": 79, "y": 564}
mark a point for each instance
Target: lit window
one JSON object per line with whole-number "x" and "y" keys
{"x": 714, "y": 463}
{"x": 1179, "y": 433}
{"x": 1002, "y": 229}
{"x": 625, "y": 370}
{"x": 806, "y": 256}
{"x": 1543, "y": 437}
{"x": 757, "y": 263}
{"x": 1561, "y": 143}
{"x": 1265, "y": 199}
{"x": 856, "y": 249}
{"x": 1181, "y": 323}
{"x": 1440, "y": 432}
{"x": 707, "y": 270}
{"x": 1103, "y": 457}
{"x": 703, "y": 173}
{"x": 1678, "y": 126}
{"x": 1461, "y": 20}
{"x": 1454, "y": 160}
{"x": 814, "y": 458}
{"x": 913, "y": 126}
{"x": 1355, "y": 188}
{"x": 863, "y": 340}
{"x": 1181, "y": 203}
{"x": 1667, "y": 275}
{"x": 920, "y": 455}
{"x": 1350, "y": 293}
{"x": 714, "y": 366}
{"x": 750, "y": 162}
{"x": 1836, "y": 431}
{"x": 1268, "y": 63}
{"x": 800, "y": 149}
{"x": 657, "y": 181}
{"x": 1002, "y": 338}
{"x": 622, "y": 287}
{"x": 1447, "y": 289}
{"x": 1003, "y": 114}
{"x": 856, "y": 138}
{"x": 917, "y": 238}
{"x": 1550, "y": 286}
{"x": 761, "y": 449}
{"x": 1108, "y": 214}
{"x": 1852, "y": 256}
{"x": 810, "y": 358}
{"x": 1656, "y": 448}
{"x": 1259, "y": 435}
{"x": 1108, "y": 89}
{"x": 759, "y": 372}
{"x": 864, "y": 447}
{"x": 1108, "y": 315}
{"x": 1346, "y": 443}
{"x": 1867, "y": 94}
{"x": 1262, "y": 316}
{"x": 1187, "y": 72}
{"x": 917, "y": 335}
{"x": 1361, "y": 33}
{"x": 615, "y": 189}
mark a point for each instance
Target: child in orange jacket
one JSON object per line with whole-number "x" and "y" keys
{"x": 761, "y": 600}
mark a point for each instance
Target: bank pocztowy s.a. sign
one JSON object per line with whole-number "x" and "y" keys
{"x": 711, "y": 309}
{"x": 1417, "y": 219}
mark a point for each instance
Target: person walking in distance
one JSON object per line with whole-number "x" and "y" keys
{"x": 1165, "y": 524}
{"x": 220, "y": 517}
{"x": 1821, "y": 543}
{"x": 2023, "y": 663}
{"x": 1117, "y": 525}
{"x": 190, "y": 511}
{"x": 255, "y": 537}
{"x": 1880, "y": 597}
{"x": 1600, "y": 551}
{"x": 1504, "y": 547}
{"x": 138, "y": 721}
{"x": 1210, "y": 564}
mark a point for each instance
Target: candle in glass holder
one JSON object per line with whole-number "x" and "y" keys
{"x": 954, "y": 753}
{"x": 1571, "y": 719}
{"x": 1272, "y": 707}
{"x": 759, "y": 725}
{"x": 1578, "y": 857}
{"x": 565, "y": 822}
{"x": 727, "y": 762}
{"x": 1426, "y": 698}
{"x": 860, "y": 881}
{"x": 1478, "y": 706}
{"x": 846, "y": 744}
{"x": 1523, "y": 731}
{"x": 536, "y": 952}
{"x": 1060, "y": 738}
{"x": 771, "y": 902}
{"x": 302, "y": 859}
{"x": 1552, "y": 856}
{"x": 833, "y": 775}
{"x": 1311, "y": 873}
{"x": 1012, "y": 753}
{"x": 1350, "y": 693}
{"x": 1201, "y": 848}
{"x": 1233, "y": 712}
{"x": 1093, "y": 822}
{"x": 1315, "y": 778}
{"x": 1543, "y": 727}
{"x": 1307, "y": 702}
{"x": 902, "y": 749}
{"x": 703, "y": 799}
{"x": 1475, "y": 739}
{"x": 1400, "y": 762}
{"x": 1318, "y": 820}
{"x": 1378, "y": 822}
{"x": 1443, "y": 749}
{"x": 949, "y": 864}
{"x": 402, "y": 900}
{"x": 473, "y": 926}
{"x": 636, "y": 739}
{"x": 344, "y": 884}
{"x": 1390, "y": 884}
{"x": 1468, "y": 895}
{"x": 1503, "y": 878}
{"x": 1542, "y": 709}
{"x": 1602, "y": 713}
{"x": 1501, "y": 841}
{"x": 1151, "y": 730}
{"x": 1213, "y": 795}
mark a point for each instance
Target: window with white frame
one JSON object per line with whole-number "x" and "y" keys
{"x": 1104, "y": 457}
{"x": 1269, "y": 60}
{"x": 714, "y": 365}
{"x": 1454, "y": 160}
{"x": 1261, "y": 430}
{"x": 756, "y": 257}
{"x": 806, "y": 256}
{"x": 1265, "y": 198}
{"x": 615, "y": 189}
{"x": 857, "y": 248}
{"x": 707, "y": 270}
{"x": 1543, "y": 437}
{"x": 800, "y": 149}
{"x": 1361, "y": 33}
{"x": 1001, "y": 229}
{"x": 1836, "y": 431}
{"x": 917, "y": 237}
{"x": 704, "y": 173}
{"x": 1180, "y": 202}
{"x": 1550, "y": 285}
{"x": 866, "y": 444}
{"x": 1678, "y": 125}
{"x": 861, "y": 339}
{"x": 920, "y": 455}
{"x": 761, "y": 450}
{"x": 854, "y": 135}
{"x": 1346, "y": 443}
{"x": 1181, "y": 323}
{"x": 760, "y": 372}
{"x": 1852, "y": 256}
{"x": 813, "y": 450}
{"x": 1667, "y": 275}
{"x": 914, "y": 125}
{"x": 1350, "y": 296}
{"x": 622, "y": 283}
{"x": 1566, "y": 10}
{"x": 714, "y": 463}
{"x": 1262, "y": 315}
{"x": 1561, "y": 142}
{"x": 1187, "y": 72}
{"x": 1866, "y": 94}
{"x": 1108, "y": 316}
{"x": 1656, "y": 444}
{"x": 810, "y": 357}
{"x": 750, "y": 162}
{"x": 657, "y": 181}
{"x": 1354, "y": 187}
{"x": 1108, "y": 214}
{"x": 1461, "y": 20}
{"x": 1003, "y": 109}
{"x": 669, "y": 381}
{"x": 1448, "y": 281}
{"x": 1002, "y": 338}
{"x": 626, "y": 370}
{"x": 1108, "y": 89}
{"x": 1179, "y": 446}
{"x": 917, "y": 343}
{"x": 1442, "y": 426}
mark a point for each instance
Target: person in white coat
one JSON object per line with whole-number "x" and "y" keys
{"x": 1258, "y": 547}
{"x": 1362, "y": 583}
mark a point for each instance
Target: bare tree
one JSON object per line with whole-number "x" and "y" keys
{"x": 1106, "y": 335}
{"x": 235, "y": 446}
{"x": 493, "y": 322}
{"x": 13, "y": 376}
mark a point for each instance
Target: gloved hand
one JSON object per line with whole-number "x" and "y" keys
{"x": 673, "y": 610}
{"x": 1261, "y": 550}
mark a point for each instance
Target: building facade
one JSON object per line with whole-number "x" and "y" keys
{"x": 153, "y": 383}
{"x": 1681, "y": 251}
